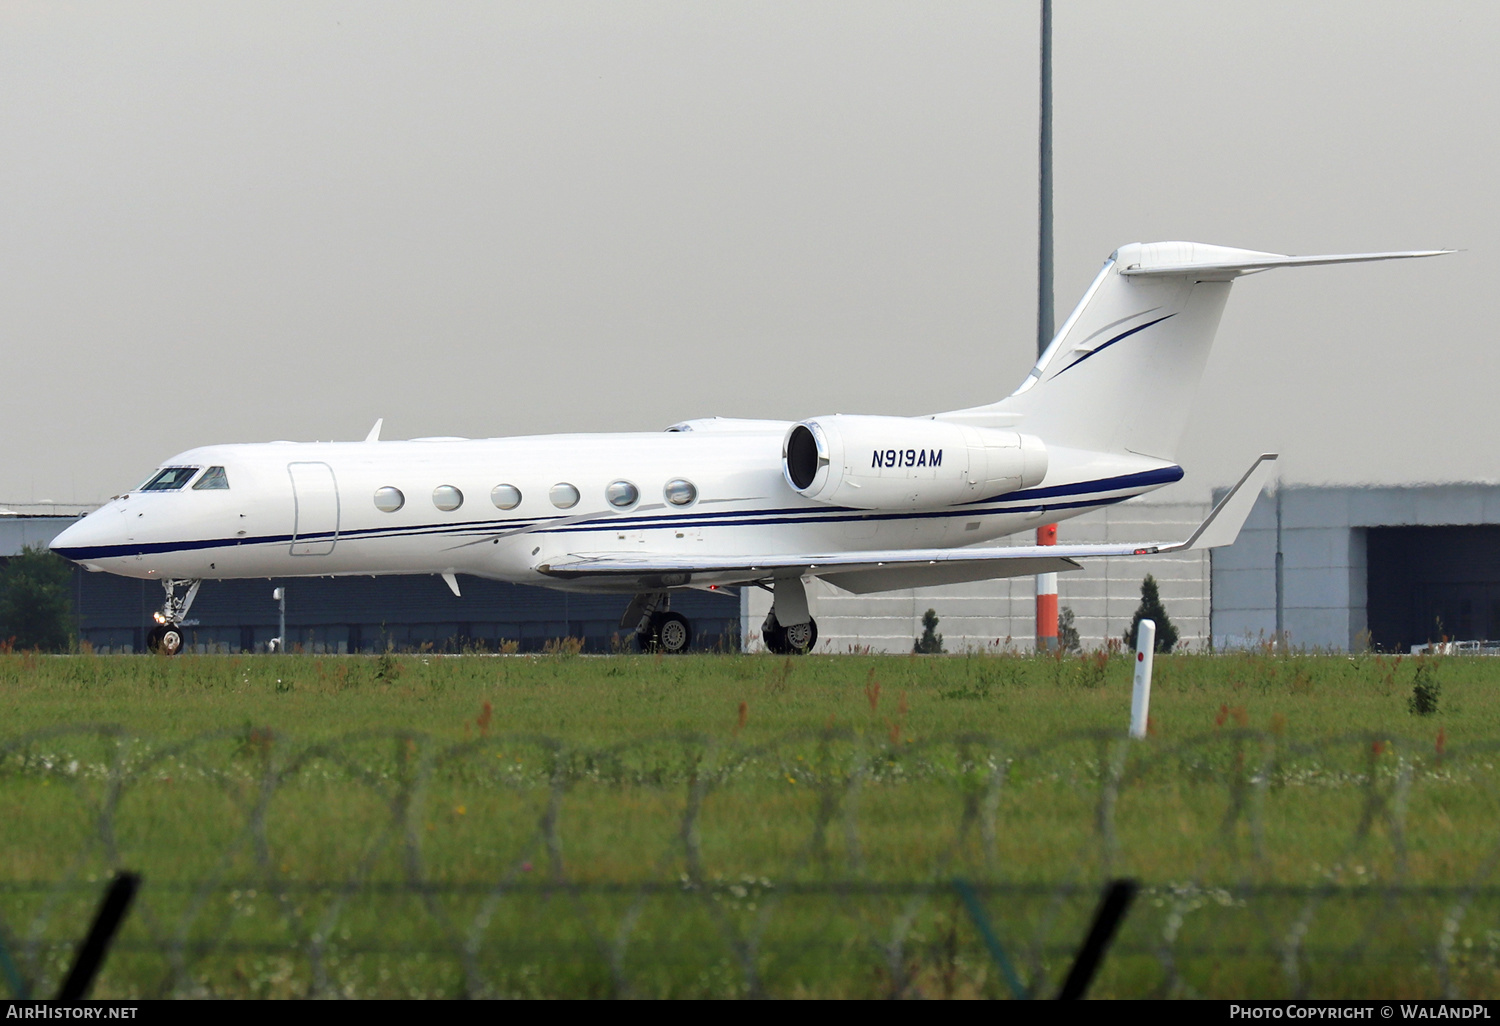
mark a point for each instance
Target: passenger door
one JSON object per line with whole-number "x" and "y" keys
{"x": 315, "y": 497}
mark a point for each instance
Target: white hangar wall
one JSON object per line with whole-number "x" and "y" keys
{"x": 1326, "y": 594}
{"x": 989, "y": 615}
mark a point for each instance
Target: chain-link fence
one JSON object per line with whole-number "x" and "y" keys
{"x": 826, "y": 864}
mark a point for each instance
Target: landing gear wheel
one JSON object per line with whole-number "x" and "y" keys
{"x": 165, "y": 640}
{"x": 800, "y": 638}
{"x": 673, "y": 632}
{"x": 796, "y": 640}
{"x": 774, "y": 635}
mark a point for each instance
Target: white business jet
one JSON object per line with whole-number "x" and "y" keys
{"x": 867, "y": 503}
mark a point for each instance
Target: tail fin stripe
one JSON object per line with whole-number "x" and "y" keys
{"x": 1117, "y": 338}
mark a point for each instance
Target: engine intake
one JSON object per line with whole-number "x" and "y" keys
{"x": 903, "y": 463}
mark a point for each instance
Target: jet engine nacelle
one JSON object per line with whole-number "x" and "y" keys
{"x": 905, "y": 463}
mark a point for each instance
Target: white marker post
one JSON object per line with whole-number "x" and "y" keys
{"x": 280, "y": 596}
{"x": 1140, "y": 693}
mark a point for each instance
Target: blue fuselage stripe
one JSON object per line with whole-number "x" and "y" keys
{"x": 1025, "y": 501}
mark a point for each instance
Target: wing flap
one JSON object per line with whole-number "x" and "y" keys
{"x": 908, "y": 575}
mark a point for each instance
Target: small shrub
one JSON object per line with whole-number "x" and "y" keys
{"x": 1067, "y": 631}
{"x": 1092, "y": 668}
{"x": 387, "y": 668}
{"x": 564, "y": 647}
{"x": 931, "y": 642}
{"x": 1425, "y": 690}
{"x": 1152, "y": 609}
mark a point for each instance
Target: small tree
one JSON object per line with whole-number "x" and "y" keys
{"x": 1067, "y": 632}
{"x": 1425, "y": 689}
{"x": 1152, "y": 609}
{"x": 931, "y": 642}
{"x": 36, "y": 610}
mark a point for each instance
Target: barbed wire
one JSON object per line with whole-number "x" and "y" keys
{"x": 395, "y": 863}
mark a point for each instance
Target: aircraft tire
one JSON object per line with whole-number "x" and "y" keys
{"x": 646, "y": 641}
{"x": 775, "y": 639}
{"x": 800, "y": 639}
{"x": 674, "y": 634}
{"x": 165, "y": 640}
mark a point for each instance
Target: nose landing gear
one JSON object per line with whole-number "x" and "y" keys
{"x": 167, "y": 637}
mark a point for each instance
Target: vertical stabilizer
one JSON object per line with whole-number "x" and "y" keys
{"x": 1122, "y": 372}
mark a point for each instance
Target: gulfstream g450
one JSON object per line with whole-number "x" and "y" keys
{"x": 867, "y": 503}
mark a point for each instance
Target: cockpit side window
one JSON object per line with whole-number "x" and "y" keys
{"x": 213, "y": 479}
{"x": 168, "y": 479}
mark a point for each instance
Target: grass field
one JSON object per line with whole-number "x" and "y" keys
{"x": 723, "y": 825}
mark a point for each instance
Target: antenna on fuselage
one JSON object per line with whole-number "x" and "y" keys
{"x": 374, "y": 435}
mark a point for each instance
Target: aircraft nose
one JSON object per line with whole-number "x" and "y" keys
{"x": 68, "y": 541}
{"x": 82, "y": 541}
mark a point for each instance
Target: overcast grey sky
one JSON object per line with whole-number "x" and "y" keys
{"x": 239, "y": 222}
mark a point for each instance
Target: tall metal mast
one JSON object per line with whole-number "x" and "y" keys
{"x": 1046, "y": 584}
{"x": 1044, "y": 325}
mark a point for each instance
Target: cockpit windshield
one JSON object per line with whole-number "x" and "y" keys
{"x": 213, "y": 479}
{"x": 168, "y": 479}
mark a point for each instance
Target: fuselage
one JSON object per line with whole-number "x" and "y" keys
{"x": 500, "y": 508}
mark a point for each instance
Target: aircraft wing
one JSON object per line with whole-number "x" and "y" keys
{"x": 882, "y": 570}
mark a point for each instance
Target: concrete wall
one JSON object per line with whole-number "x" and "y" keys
{"x": 996, "y": 614}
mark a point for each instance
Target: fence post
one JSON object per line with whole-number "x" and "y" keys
{"x": 96, "y": 945}
{"x": 982, "y": 921}
{"x": 1117, "y": 898}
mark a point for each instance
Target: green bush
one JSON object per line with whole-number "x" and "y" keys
{"x": 35, "y": 608}
{"x": 931, "y": 642}
{"x": 1067, "y": 631}
{"x": 1425, "y": 690}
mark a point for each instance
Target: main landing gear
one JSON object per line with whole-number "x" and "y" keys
{"x": 167, "y": 637}
{"x": 656, "y": 628}
{"x": 789, "y": 628}
{"x": 797, "y": 639}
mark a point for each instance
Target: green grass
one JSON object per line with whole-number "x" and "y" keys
{"x": 692, "y": 826}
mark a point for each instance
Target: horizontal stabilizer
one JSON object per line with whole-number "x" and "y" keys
{"x": 1221, "y": 262}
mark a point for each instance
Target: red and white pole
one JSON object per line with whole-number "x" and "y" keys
{"x": 1046, "y": 597}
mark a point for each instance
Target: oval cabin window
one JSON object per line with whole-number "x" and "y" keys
{"x": 564, "y": 495}
{"x": 680, "y": 492}
{"x": 389, "y": 499}
{"x": 622, "y": 494}
{"x": 446, "y": 497}
{"x": 506, "y": 496}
